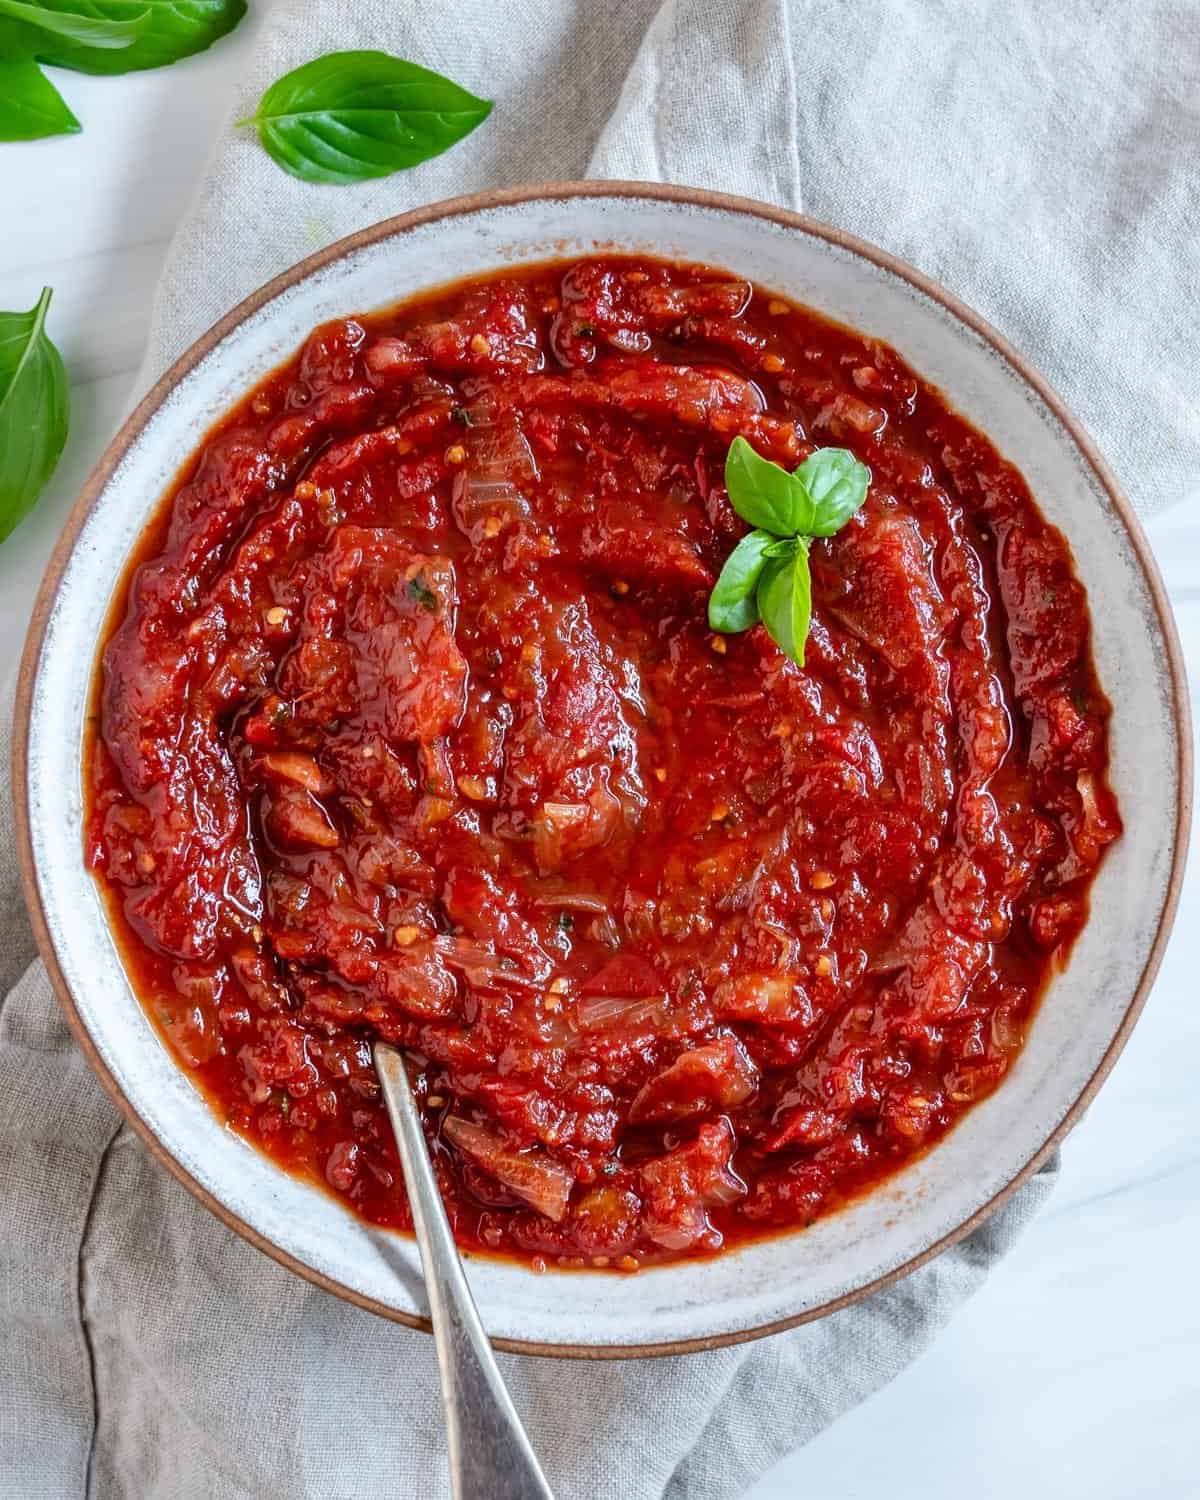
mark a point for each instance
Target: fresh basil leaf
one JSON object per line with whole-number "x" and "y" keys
{"x": 166, "y": 30}
{"x": 350, "y": 116}
{"x": 34, "y": 413}
{"x": 837, "y": 484}
{"x": 785, "y": 601}
{"x": 731, "y": 605}
{"x": 30, "y": 106}
{"x": 788, "y": 510}
{"x": 73, "y": 26}
{"x": 763, "y": 494}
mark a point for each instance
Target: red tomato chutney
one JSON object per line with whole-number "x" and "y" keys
{"x": 411, "y": 726}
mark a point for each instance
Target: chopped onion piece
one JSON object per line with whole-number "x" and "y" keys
{"x": 689, "y": 1224}
{"x": 301, "y": 770}
{"x": 488, "y": 490}
{"x": 682, "y": 1184}
{"x": 544, "y": 1184}
{"x": 353, "y": 917}
{"x": 716, "y": 1076}
{"x": 724, "y": 1187}
{"x": 888, "y": 960}
{"x": 605, "y": 930}
{"x": 298, "y": 821}
{"x": 574, "y": 901}
{"x": 482, "y": 411}
{"x": 552, "y": 824}
{"x": 564, "y": 814}
{"x": 757, "y": 997}
{"x": 481, "y": 966}
{"x": 493, "y": 495}
{"x": 1098, "y": 828}
{"x": 630, "y": 1010}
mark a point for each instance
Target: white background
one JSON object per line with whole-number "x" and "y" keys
{"x": 1076, "y": 1371}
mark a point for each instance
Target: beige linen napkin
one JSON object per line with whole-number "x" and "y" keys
{"x": 1034, "y": 158}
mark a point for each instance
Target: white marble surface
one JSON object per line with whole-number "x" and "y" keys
{"x": 1076, "y": 1371}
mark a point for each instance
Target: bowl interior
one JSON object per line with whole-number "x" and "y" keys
{"x": 776, "y": 1280}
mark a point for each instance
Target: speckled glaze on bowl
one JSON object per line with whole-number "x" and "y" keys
{"x": 1080, "y": 1027}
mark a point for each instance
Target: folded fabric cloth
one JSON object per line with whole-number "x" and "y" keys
{"x": 1037, "y": 161}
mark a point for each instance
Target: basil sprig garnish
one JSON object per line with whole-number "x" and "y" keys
{"x": 350, "y": 116}
{"x": 766, "y": 576}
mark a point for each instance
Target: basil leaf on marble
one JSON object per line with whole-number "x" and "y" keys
{"x": 34, "y": 410}
{"x": 30, "y": 106}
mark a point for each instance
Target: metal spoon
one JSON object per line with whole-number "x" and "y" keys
{"x": 490, "y": 1455}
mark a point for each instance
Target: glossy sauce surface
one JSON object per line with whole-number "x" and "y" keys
{"x": 411, "y": 726}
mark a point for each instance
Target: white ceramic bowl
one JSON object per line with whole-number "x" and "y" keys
{"x": 1084, "y": 1018}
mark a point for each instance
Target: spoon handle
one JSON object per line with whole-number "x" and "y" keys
{"x": 490, "y": 1455}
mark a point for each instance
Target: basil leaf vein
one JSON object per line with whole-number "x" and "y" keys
{"x": 351, "y": 116}
{"x": 34, "y": 410}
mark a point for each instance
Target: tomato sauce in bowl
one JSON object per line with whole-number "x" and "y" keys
{"x": 411, "y": 726}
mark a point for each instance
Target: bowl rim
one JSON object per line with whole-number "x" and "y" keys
{"x": 467, "y": 204}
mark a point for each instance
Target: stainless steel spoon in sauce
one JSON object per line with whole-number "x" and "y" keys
{"x": 490, "y": 1454}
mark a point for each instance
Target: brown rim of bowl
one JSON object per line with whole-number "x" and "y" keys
{"x": 470, "y": 204}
